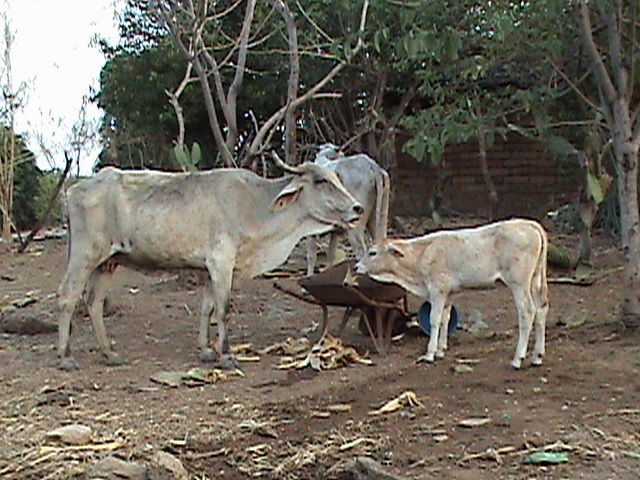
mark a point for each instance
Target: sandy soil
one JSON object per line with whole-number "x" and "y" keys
{"x": 272, "y": 423}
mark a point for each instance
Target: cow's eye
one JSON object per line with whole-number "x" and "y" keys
{"x": 320, "y": 180}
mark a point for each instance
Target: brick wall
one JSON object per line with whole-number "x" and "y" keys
{"x": 528, "y": 180}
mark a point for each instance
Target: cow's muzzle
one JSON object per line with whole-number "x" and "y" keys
{"x": 360, "y": 269}
{"x": 356, "y": 213}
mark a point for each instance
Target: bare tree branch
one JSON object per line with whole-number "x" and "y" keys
{"x": 587, "y": 37}
{"x": 232, "y": 95}
{"x": 174, "y": 100}
{"x": 257, "y": 145}
{"x": 294, "y": 78}
{"x": 165, "y": 15}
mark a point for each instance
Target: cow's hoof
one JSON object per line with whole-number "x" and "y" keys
{"x": 68, "y": 364}
{"x": 536, "y": 361}
{"x": 514, "y": 366}
{"x": 440, "y": 354}
{"x": 227, "y": 362}
{"x": 113, "y": 359}
{"x": 208, "y": 355}
{"x": 427, "y": 358}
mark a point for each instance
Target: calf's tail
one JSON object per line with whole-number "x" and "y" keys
{"x": 539, "y": 284}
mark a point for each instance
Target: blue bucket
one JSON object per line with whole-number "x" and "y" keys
{"x": 425, "y": 324}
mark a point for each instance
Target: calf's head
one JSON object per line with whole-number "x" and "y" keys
{"x": 321, "y": 196}
{"x": 385, "y": 261}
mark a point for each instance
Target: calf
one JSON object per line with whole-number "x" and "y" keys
{"x": 434, "y": 266}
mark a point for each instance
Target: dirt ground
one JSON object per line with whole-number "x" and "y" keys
{"x": 308, "y": 424}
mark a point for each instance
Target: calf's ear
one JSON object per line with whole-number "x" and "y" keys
{"x": 395, "y": 250}
{"x": 287, "y": 196}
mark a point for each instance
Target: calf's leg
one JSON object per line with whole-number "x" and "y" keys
{"x": 540, "y": 293}
{"x": 540, "y": 325}
{"x": 435, "y": 320}
{"x": 444, "y": 331}
{"x": 526, "y": 313}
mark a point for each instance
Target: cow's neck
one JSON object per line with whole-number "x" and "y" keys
{"x": 275, "y": 235}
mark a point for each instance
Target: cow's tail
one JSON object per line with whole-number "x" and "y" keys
{"x": 382, "y": 204}
{"x": 66, "y": 207}
{"x": 540, "y": 287}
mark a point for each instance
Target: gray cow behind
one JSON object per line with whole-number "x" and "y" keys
{"x": 368, "y": 182}
{"x": 230, "y": 222}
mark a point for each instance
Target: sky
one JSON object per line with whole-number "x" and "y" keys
{"x": 53, "y": 57}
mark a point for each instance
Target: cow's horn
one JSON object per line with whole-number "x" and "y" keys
{"x": 282, "y": 165}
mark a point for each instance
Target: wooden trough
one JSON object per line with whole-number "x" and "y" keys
{"x": 379, "y": 304}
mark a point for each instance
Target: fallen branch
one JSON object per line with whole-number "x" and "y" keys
{"x": 494, "y": 454}
{"x": 406, "y": 399}
{"x": 585, "y": 281}
{"x": 355, "y": 443}
{"x": 75, "y": 448}
{"x": 622, "y": 411}
{"x": 490, "y": 454}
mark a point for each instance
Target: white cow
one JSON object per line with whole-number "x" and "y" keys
{"x": 229, "y": 222}
{"x": 435, "y": 265}
{"x": 368, "y": 182}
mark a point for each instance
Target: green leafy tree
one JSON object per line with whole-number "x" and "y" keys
{"x": 47, "y": 185}
{"x": 26, "y": 188}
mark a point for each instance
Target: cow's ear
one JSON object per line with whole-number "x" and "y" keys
{"x": 395, "y": 250}
{"x": 287, "y": 196}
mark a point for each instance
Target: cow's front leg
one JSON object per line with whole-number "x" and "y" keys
{"x": 216, "y": 300}
{"x": 312, "y": 253}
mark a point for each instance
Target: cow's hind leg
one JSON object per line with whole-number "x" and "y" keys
{"x": 69, "y": 295}
{"x": 357, "y": 241}
{"x": 332, "y": 250}
{"x": 526, "y": 313}
{"x": 207, "y": 354}
{"x": 97, "y": 290}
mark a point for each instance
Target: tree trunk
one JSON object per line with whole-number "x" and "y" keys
{"x": 630, "y": 227}
{"x": 484, "y": 167}
{"x": 290, "y": 131}
{"x": 616, "y": 95}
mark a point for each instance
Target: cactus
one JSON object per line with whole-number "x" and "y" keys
{"x": 188, "y": 162}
